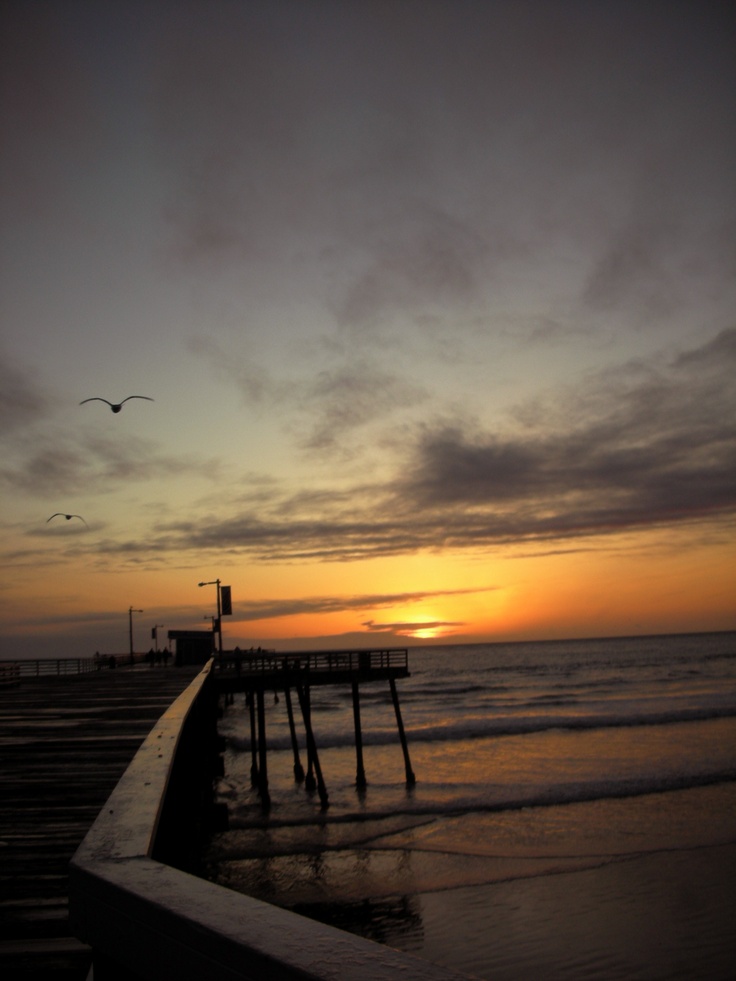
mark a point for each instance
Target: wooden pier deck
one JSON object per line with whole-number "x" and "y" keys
{"x": 65, "y": 741}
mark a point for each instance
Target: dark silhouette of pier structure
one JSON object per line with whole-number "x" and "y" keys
{"x": 256, "y": 672}
{"x": 102, "y": 825}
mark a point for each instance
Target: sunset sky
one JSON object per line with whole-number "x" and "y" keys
{"x": 435, "y": 301}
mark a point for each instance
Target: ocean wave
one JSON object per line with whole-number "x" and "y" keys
{"x": 523, "y": 725}
{"x": 433, "y": 803}
{"x": 478, "y": 727}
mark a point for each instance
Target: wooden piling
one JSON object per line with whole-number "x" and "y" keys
{"x": 298, "y": 768}
{"x": 253, "y": 740}
{"x": 410, "y": 778}
{"x": 311, "y": 744}
{"x": 262, "y": 751}
{"x": 310, "y": 782}
{"x": 360, "y": 781}
{"x": 259, "y": 672}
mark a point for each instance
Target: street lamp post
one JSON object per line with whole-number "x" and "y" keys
{"x": 131, "y": 611}
{"x": 213, "y": 622}
{"x": 216, "y": 582}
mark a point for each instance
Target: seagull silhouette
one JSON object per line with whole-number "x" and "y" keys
{"x": 116, "y": 407}
{"x": 60, "y": 514}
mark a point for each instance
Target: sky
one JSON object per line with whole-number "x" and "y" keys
{"x": 434, "y": 300}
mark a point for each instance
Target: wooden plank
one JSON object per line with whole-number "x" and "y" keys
{"x": 64, "y": 744}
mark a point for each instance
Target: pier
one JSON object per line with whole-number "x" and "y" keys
{"x": 256, "y": 672}
{"x": 101, "y": 830}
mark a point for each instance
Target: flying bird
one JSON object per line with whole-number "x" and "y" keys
{"x": 116, "y": 407}
{"x": 60, "y": 514}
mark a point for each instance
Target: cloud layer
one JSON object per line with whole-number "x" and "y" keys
{"x": 434, "y": 279}
{"x": 639, "y": 448}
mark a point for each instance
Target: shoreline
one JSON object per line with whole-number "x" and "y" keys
{"x": 556, "y": 891}
{"x": 666, "y": 914}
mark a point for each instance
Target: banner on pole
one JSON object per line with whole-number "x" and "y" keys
{"x": 226, "y": 601}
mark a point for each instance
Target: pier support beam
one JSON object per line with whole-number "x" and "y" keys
{"x": 410, "y": 778}
{"x": 360, "y": 781}
{"x": 298, "y": 768}
{"x": 262, "y": 753}
{"x": 310, "y": 782}
{"x": 250, "y": 699}
{"x": 311, "y": 744}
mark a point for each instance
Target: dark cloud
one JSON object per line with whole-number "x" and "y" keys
{"x": 634, "y": 271}
{"x": 408, "y": 627}
{"x": 232, "y": 97}
{"x": 286, "y": 536}
{"x": 658, "y": 450}
{"x": 329, "y": 407}
{"x": 63, "y": 621}
{"x": 49, "y": 466}
{"x": 639, "y": 449}
{"x": 61, "y": 464}
{"x": 22, "y": 400}
{"x": 421, "y": 261}
{"x": 273, "y": 609}
{"x": 665, "y": 248}
{"x": 344, "y": 399}
{"x": 256, "y": 385}
{"x": 714, "y": 357}
{"x": 48, "y": 118}
{"x": 523, "y": 124}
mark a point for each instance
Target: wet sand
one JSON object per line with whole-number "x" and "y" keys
{"x": 665, "y": 915}
{"x": 635, "y": 888}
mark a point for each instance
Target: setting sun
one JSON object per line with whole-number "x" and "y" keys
{"x": 426, "y": 633}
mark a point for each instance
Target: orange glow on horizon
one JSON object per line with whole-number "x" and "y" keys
{"x": 663, "y": 582}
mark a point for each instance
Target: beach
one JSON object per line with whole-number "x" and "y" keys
{"x": 574, "y": 814}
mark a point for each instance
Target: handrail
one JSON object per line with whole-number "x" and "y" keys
{"x": 9, "y": 673}
{"x": 351, "y": 660}
{"x": 46, "y": 667}
{"x": 153, "y": 920}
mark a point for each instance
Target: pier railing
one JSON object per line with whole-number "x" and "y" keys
{"x": 245, "y": 662}
{"x": 47, "y": 667}
{"x": 315, "y": 662}
{"x": 146, "y": 918}
{"x": 9, "y": 673}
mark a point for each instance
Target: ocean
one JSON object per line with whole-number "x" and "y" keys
{"x": 573, "y": 817}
